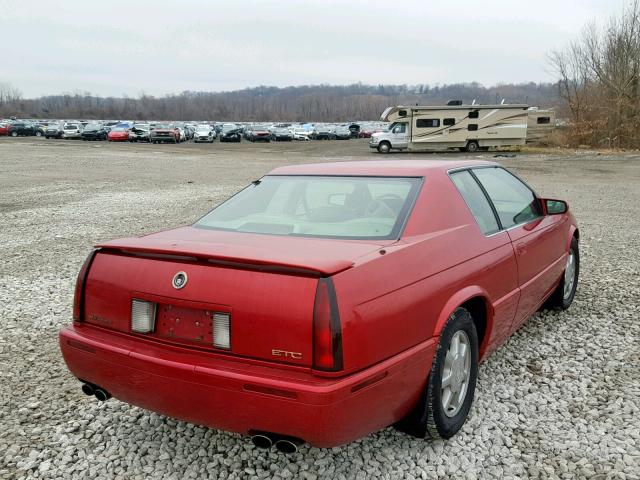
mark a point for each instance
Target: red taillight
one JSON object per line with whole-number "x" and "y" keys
{"x": 78, "y": 296}
{"x": 327, "y": 331}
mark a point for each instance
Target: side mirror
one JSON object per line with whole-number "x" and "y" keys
{"x": 556, "y": 207}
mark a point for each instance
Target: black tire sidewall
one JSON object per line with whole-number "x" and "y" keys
{"x": 438, "y": 423}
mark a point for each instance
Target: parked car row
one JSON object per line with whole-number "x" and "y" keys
{"x": 171, "y": 132}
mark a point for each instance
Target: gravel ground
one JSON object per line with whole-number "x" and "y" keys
{"x": 560, "y": 400}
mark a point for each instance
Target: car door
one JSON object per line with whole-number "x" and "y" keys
{"x": 538, "y": 240}
{"x": 400, "y": 138}
{"x": 496, "y": 268}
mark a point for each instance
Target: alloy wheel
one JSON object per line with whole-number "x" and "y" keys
{"x": 456, "y": 373}
{"x": 569, "y": 275}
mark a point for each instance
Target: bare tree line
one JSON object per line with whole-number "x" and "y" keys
{"x": 600, "y": 83}
{"x": 319, "y": 103}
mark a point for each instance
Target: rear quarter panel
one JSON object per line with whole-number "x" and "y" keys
{"x": 392, "y": 301}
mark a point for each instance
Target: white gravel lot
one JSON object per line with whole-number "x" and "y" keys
{"x": 560, "y": 400}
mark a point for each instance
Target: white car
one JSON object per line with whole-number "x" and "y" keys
{"x": 301, "y": 134}
{"x": 72, "y": 130}
{"x": 204, "y": 133}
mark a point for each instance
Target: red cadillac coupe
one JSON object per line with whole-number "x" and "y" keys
{"x": 324, "y": 302}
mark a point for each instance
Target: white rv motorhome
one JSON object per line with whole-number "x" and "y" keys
{"x": 465, "y": 127}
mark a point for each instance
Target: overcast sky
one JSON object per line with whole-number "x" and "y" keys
{"x": 118, "y": 47}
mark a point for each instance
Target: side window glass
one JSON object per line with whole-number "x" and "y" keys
{"x": 400, "y": 128}
{"x": 447, "y": 122}
{"x": 428, "y": 123}
{"x": 513, "y": 200}
{"x": 476, "y": 201}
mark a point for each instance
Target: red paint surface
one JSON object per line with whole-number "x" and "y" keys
{"x": 392, "y": 307}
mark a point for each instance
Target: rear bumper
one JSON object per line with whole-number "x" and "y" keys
{"x": 242, "y": 395}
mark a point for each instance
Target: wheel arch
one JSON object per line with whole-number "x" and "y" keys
{"x": 574, "y": 232}
{"x": 476, "y": 300}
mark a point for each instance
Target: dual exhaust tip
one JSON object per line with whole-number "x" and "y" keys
{"x": 263, "y": 440}
{"x": 94, "y": 391}
{"x": 283, "y": 444}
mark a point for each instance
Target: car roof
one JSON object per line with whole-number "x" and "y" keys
{"x": 393, "y": 168}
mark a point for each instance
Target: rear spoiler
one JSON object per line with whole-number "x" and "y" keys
{"x": 254, "y": 264}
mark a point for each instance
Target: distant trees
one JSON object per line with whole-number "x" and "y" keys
{"x": 599, "y": 79}
{"x": 308, "y": 103}
{"x": 9, "y": 94}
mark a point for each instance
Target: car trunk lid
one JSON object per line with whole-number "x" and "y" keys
{"x": 265, "y": 284}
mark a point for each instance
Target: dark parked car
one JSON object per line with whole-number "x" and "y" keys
{"x": 281, "y": 135}
{"x": 54, "y": 130}
{"x": 94, "y": 131}
{"x": 323, "y": 132}
{"x": 40, "y": 129}
{"x": 231, "y": 133}
{"x": 23, "y": 129}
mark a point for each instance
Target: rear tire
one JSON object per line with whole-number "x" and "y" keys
{"x": 384, "y": 147}
{"x": 472, "y": 146}
{"x": 452, "y": 378}
{"x": 14, "y": 134}
{"x": 562, "y": 297}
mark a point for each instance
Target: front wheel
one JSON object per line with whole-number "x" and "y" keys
{"x": 38, "y": 134}
{"x": 562, "y": 297}
{"x": 445, "y": 402}
{"x": 384, "y": 147}
{"x": 14, "y": 134}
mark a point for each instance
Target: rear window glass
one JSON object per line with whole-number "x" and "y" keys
{"x": 319, "y": 206}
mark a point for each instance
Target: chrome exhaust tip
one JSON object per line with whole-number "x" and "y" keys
{"x": 287, "y": 446}
{"x": 102, "y": 395}
{"x": 261, "y": 441}
{"x": 88, "y": 389}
